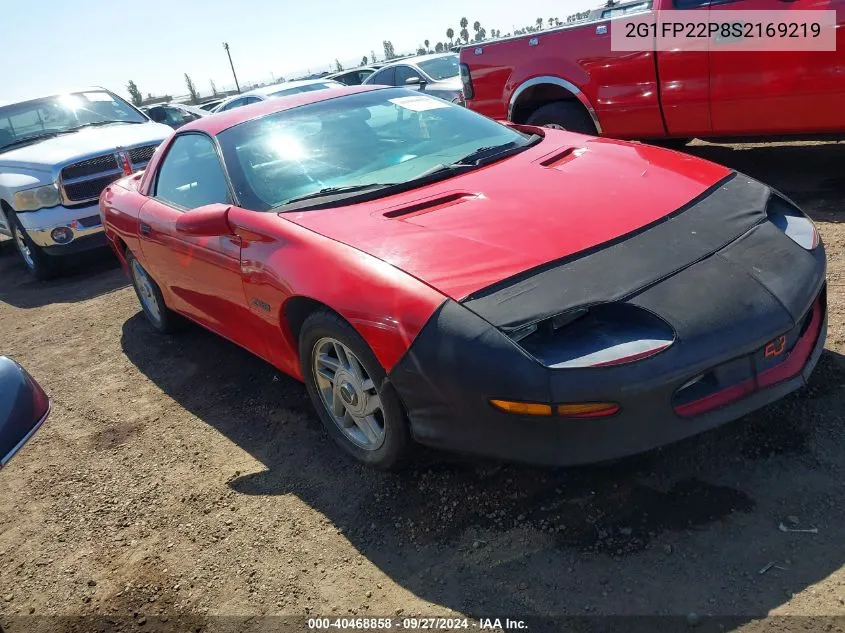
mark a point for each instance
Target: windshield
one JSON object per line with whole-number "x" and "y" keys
{"x": 441, "y": 67}
{"x": 31, "y": 120}
{"x": 385, "y": 136}
{"x": 305, "y": 88}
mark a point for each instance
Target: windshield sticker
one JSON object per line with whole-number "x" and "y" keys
{"x": 98, "y": 96}
{"x": 419, "y": 103}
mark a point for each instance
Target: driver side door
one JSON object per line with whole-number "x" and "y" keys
{"x": 200, "y": 276}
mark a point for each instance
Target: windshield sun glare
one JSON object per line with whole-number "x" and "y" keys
{"x": 386, "y": 137}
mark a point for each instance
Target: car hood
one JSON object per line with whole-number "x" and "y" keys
{"x": 566, "y": 195}
{"x": 86, "y": 142}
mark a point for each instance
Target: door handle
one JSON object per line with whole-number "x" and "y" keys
{"x": 146, "y": 229}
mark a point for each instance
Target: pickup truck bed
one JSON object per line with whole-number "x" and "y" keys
{"x": 570, "y": 77}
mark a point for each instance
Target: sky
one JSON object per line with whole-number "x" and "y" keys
{"x": 65, "y": 45}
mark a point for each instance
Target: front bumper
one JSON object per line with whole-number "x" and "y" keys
{"x": 84, "y": 223}
{"x": 727, "y": 302}
{"x": 449, "y": 409}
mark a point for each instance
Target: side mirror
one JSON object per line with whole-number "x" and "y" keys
{"x": 415, "y": 81}
{"x": 23, "y": 408}
{"x": 212, "y": 220}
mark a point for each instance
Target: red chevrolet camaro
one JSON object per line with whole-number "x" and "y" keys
{"x": 435, "y": 276}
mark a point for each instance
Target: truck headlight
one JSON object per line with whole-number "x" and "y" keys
{"x": 37, "y": 198}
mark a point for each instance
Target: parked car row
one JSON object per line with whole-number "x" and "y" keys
{"x": 58, "y": 152}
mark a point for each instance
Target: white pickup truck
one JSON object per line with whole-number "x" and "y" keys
{"x": 57, "y": 153}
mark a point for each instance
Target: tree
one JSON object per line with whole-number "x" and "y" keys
{"x": 476, "y": 25}
{"x": 551, "y": 22}
{"x": 364, "y": 60}
{"x": 192, "y": 90}
{"x": 421, "y": 51}
{"x": 481, "y": 34}
{"x": 137, "y": 98}
{"x": 464, "y": 23}
{"x": 389, "y": 53}
{"x": 438, "y": 48}
{"x": 338, "y": 67}
{"x": 450, "y": 33}
{"x": 539, "y": 23}
{"x": 373, "y": 58}
{"x": 464, "y": 35}
{"x": 213, "y": 87}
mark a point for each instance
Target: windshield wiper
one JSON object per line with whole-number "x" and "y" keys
{"x": 479, "y": 157}
{"x": 333, "y": 191}
{"x": 26, "y": 140}
{"x": 486, "y": 155}
{"x": 98, "y": 123}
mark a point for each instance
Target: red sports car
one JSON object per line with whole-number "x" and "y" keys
{"x": 435, "y": 276}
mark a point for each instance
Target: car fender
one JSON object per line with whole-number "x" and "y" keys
{"x": 553, "y": 80}
{"x": 283, "y": 262}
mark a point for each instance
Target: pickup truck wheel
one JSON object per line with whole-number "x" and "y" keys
{"x": 39, "y": 264}
{"x": 149, "y": 294}
{"x": 349, "y": 390}
{"x": 563, "y": 115}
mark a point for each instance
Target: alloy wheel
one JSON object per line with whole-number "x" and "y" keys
{"x": 348, "y": 393}
{"x": 146, "y": 293}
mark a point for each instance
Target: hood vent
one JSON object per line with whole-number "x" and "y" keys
{"x": 432, "y": 204}
{"x": 559, "y": 158}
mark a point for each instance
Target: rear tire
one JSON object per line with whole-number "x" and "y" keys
{"x": 162, "y": 318}
{"x": 40, "y": 265}
{"x": 563, "y": 115}
{"x": 350, "y": 391}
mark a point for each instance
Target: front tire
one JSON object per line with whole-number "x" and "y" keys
{"x": 40, "y": 264}
{"x": 149, "y": 295}
{"x": 349, "y": 390}
{"x": 563, "y": 115}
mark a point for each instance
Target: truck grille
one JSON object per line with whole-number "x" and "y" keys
{"x": 141, "y": 154}
{"x": 85, "y": 180}
{"x": 89, "y": 189}
{"x": 90, "y": 167}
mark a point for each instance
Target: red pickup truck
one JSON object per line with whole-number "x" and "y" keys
{"x": 569, "y": 77}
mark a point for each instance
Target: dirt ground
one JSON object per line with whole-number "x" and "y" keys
{"x": 180, "y": 479}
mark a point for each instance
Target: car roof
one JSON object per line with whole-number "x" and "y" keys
{"x": 56, "y": 93}
{"x": 416, "y": 59}
{"x": 267, "y": 90}
{"x": 229, "y": 118}
{"x": 341, "y": 73}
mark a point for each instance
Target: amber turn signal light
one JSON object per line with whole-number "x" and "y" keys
{"x": 522, "y": 408}
{"x": 587, "y": 409}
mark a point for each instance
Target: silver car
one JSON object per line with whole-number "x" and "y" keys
{"x": 283, "y": 89}
{"x": 437, "y": 75}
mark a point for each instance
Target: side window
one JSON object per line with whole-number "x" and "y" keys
{"x": 403, "y": 74}
{"x": 237, "y": 103}
{"x": 157, "y": 114}
{"x": 690, "y": 4}
{"x": 174, "y": 116}
{"x": 190, "y": 175}
{"x": 383, "y": 77}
